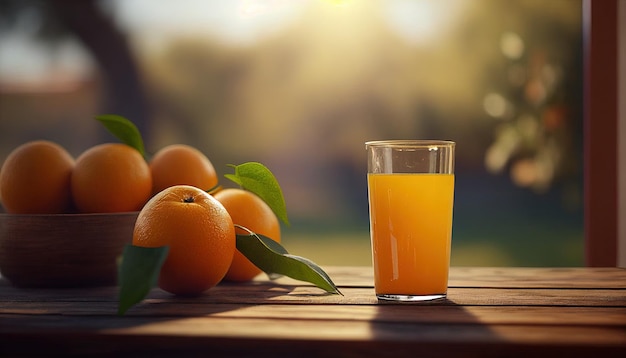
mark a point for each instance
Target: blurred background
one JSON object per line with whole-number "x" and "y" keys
{"x": 300, "y": 85}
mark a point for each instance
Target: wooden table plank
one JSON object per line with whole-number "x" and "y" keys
{"x": 127, "y": 345}
{"x": 310, "y": 333}
{"x": 593, "y": 316}
{"x": 270, "y": 293}
{"x": 494, "y": 277}
{"x": 522, "y": 277}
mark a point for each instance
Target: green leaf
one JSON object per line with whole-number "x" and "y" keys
{"x": 257, "y": 178}
{"x": 124, "y": 130}
{"x": 273, "y": 259}
{"x": 138, "y": 274}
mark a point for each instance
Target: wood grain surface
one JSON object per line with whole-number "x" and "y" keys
{"x": 489, "y": 312}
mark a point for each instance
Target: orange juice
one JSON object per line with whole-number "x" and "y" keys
{"x": 411, "y": 228}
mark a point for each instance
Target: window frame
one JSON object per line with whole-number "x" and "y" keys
{"x": 601, "y": 123}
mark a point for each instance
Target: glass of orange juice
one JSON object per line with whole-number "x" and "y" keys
{"x": 411, "y": 193}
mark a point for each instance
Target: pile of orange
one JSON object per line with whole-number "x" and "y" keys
{"x": 41, "y": 177}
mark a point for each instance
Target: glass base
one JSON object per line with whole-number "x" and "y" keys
{"x": 410, "y": 298}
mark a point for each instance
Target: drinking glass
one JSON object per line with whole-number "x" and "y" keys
{"x": 411, "y": 193}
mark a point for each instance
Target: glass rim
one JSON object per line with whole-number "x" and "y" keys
{"x": 410, "y": 143}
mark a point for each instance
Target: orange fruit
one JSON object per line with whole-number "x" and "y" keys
{"x": 250, "y": 211}
{"x": 180, "y": 164}
{"x": 35, "y": 179}
{"x": 111, "y": 177}
{"x": 200, "y": 235}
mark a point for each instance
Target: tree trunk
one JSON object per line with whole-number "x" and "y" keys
{"x": 124, "y": 94}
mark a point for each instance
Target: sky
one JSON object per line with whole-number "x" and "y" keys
{"x": 152, "y": 23}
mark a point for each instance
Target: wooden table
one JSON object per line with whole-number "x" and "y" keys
{"x": 529, "y": 312}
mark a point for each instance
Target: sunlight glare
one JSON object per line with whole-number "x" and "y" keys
{"x": 422, "y": 21}
{"x": 251, "y": 8}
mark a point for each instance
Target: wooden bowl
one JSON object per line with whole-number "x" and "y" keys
{"x": 64, "y": 250}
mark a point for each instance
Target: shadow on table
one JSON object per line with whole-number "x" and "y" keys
{"x": 84, "y": 321}
{"x": 101, "y": 303}
{"x": 438, "y": 328}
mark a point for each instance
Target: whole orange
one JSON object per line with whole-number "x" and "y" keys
{"x": 111, "y": 177}
{"x": 200, "y": 235}
{"x": 35, "y": 179}
{"x": 180, "y": 164}
{"x": 250, "y": 211}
